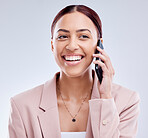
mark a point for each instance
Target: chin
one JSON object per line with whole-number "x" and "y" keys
{"x": 75, "y": 72}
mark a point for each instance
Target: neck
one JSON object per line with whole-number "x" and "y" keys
{"x": 75, "y": 88}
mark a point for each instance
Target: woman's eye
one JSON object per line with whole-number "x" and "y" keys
{"x": 62, "y": 36}
{"x": 84, "y": 36}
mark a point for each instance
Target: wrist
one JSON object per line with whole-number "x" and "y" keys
{"x": 105, "y": 96}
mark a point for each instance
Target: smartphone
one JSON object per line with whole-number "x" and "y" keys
{"x": 98, "y": 69}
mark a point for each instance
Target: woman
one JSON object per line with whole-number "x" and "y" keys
{"x": 74, "y": 103}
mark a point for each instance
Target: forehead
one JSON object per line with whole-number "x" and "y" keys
{"x": 74, "y": 21}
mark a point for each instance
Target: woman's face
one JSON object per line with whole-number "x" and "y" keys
{"x": 74, "y": 33}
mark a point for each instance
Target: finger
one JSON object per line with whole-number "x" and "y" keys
{"x": 106, "y": 58}
{"x": 102, "y": 51}
{"x": 102, "y": 57}
{"x": 107, "y": 61}
{"x": 99, "y": 49}
{"x": 110, "y": 67}
{"x": 103, "y": 66}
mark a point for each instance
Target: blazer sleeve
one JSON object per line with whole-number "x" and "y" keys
{"x": 110, "y": 123}
{"x": 15, "y": 125}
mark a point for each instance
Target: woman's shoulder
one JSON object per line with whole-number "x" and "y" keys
{"x": 29, "y": 96}
{"x": 122, "y": 91}
{"x": 124, "y": 97}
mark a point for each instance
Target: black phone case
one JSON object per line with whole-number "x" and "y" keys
{"x": 98, "y": 69}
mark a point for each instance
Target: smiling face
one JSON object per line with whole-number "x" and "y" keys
{"x": 74, "y": 34}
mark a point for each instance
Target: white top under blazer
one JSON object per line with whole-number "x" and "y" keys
{"x": 73, "y": 134}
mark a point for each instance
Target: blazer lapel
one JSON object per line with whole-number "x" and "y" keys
{"x": 90, "y": 132}
{"x": 49, "y": 118}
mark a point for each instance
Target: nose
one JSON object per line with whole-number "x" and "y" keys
{"x": 72, "y": 45}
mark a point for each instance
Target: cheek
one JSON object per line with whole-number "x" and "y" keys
{"x": 57, "y": 52}
{"x": 84, "y": 43}
{"x": 58, "y": 46}
{"x": 89, "y": 48}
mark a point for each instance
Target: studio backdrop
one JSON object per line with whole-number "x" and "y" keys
{"x": 26, "y": 59}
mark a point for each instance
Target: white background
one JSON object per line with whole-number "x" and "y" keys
{"x": 26, "y": 59}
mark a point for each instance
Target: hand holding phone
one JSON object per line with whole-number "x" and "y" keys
{"x": 98, "y": 69}
{"x": 107, "y": 73}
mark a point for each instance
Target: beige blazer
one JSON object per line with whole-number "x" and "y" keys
{"x": 34, "y": 113}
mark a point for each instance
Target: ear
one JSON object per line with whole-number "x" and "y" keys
{"x": 101, "y": 40}
{"x": 52, "y": 48}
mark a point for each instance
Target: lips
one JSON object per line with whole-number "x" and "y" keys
{"x": 77, "y": 55}
{"x": 72, "y": 63}
{"x": 73, "y": 54}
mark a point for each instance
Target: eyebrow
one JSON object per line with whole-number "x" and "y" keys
{"x": 80, "y": 30}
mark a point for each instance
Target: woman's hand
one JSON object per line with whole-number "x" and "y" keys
{"x": 108, "y": 73}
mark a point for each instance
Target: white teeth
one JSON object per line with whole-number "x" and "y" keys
{"x": 73, "y": 57}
